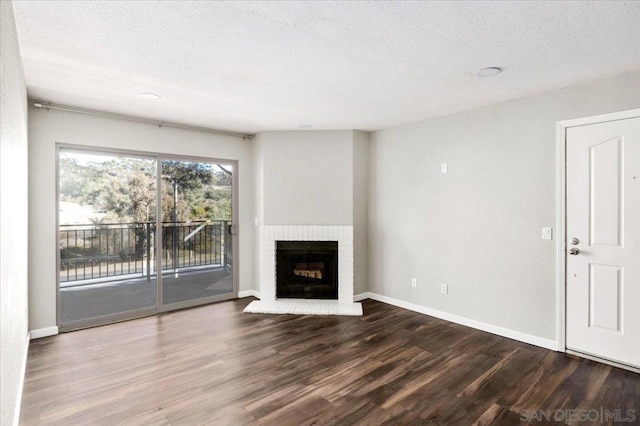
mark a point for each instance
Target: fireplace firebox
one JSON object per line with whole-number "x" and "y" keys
{"x": 307, "y": 269}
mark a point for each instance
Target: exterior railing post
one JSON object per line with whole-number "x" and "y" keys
{"x": 148, "y": 243}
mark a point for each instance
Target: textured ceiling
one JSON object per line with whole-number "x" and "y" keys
{"x": 252, "y": 66}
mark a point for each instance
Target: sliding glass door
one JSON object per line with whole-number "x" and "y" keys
{"x": 196, "y": 231}
{"x": 123, "y": 217}
{"x": 107, "y": 216}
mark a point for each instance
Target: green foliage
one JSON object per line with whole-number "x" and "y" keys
{"x": 187, "y": 175}
{"x": 125, "y": 189}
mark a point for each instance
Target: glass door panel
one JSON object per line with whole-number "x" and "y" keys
{"x": 196, "y": 246}
{"x": 107, "y": 232}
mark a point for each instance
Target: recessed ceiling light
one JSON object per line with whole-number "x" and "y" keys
{"x": 306, "y": 126}
{"x": 488, "y": 72}
{"x": 150, "y": 96}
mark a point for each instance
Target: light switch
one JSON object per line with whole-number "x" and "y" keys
{"x": 546, "y": 234}
{"x": 444, "y": 167}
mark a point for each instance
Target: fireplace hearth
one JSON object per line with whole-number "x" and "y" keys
{"x": 307, "y": 269}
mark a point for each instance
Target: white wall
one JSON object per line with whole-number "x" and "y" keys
{"x": 13, "y": 219}
{"x": 307, "y": 177}
{"x": 478, "y": 227}
{"x": 361, "y": 211}
{"x": 258, "y": 206}
{"x": 47, "y": 127}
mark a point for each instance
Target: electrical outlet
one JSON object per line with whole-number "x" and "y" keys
{"x": 547, "y": 234}
{"x": 444, "y": 289}
{"x": 414, "y": 282}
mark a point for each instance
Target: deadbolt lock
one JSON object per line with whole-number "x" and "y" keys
{"x": 575, "y": 241}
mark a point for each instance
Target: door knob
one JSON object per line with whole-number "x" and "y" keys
{"x": 574, "y": 251}
{"x": 575, "y": 241}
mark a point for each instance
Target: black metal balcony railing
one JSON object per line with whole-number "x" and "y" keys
{"x": 117, "y": 249}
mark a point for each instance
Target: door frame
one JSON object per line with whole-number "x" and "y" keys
{"x": 561, "y": 219}
{"x": 159, "y": 307}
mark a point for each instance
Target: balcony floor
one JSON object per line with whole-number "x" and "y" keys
{"x": 82, "y": 302}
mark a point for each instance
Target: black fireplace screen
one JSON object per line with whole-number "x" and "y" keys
{"x": 307, "y": 269}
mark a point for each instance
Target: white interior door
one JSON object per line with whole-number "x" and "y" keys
{"x": 603, "y": 240}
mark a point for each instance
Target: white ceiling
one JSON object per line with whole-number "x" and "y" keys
{"x": 252, "y": 66}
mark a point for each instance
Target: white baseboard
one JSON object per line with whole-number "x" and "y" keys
{"x": 248, "y": 293}
{"x": 23, "y": 373}
{"x": 44, "y": 332}
{"x": 360, "y": 297}
{"x": 489, "y": 328}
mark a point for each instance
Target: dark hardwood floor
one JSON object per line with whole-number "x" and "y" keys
{"x": 217, "y": 365}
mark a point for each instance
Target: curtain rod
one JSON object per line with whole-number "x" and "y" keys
{"x": 40, "y": 104}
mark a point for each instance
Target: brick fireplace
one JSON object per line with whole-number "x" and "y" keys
{"x": 311, "y": 186}
{"x": 269, "y": 303}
